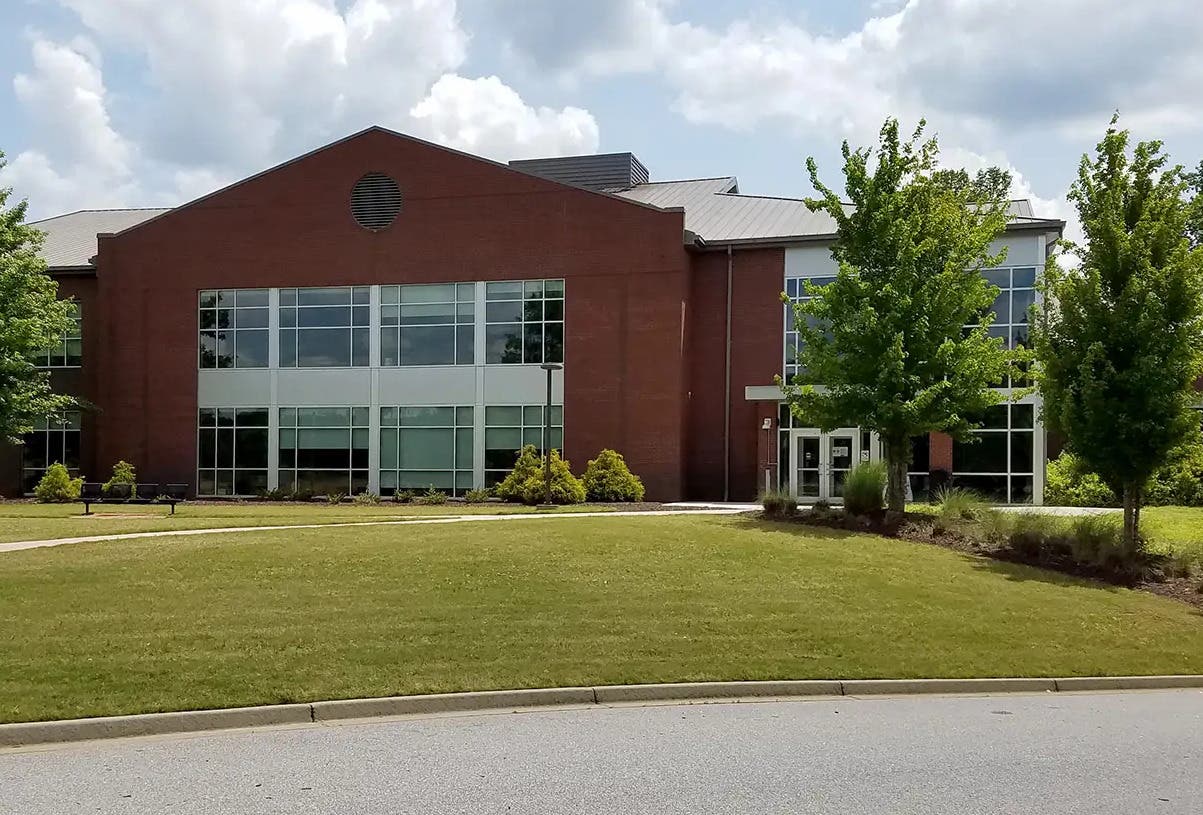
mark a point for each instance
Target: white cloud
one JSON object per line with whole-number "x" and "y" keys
{"x": 487, "y": 117}
{"x": 82, "y": 160}
{"x": 232, "y": 87}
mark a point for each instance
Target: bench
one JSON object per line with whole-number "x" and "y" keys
{"x": 94, "y": 493}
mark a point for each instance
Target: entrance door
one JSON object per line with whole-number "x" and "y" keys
{"x": 821, "y": 463}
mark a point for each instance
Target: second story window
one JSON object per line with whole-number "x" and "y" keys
{"x": 428, "y": 325}
{"x": 68, "y": 351}
{"x": 524, "y": 322}
{"x": 233, "y": 328}
{"x": 795, "y": 290}
{"x": 325, "y": 328}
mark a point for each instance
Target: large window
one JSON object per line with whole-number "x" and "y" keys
{"x": 233, "y": 328}
{"x": 508, "y": 428}
{"x": 324, "y": 450}
{"x": 1012, "y": 310}
{"x": 795, "y": 290}
{"x": 68, "y": 351}
{"x": 231, "y": 451}
{"x": 325, "y": 328}
{"x": 524, "y": 322}
{"x": 425, "y": 447}
{"x": 1000, "y": 463}
{"x": 50, "y": 442}
{"x": 428, "y": 325}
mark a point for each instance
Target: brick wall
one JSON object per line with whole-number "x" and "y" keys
{"x": 462, "y": 219}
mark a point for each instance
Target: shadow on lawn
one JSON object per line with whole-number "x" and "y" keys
{"x": 753, "y": 523}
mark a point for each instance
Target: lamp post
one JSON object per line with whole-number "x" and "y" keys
{"x": 549, "y": 367}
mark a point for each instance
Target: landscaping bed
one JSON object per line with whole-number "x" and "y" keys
{"x": 1027, "y": 538}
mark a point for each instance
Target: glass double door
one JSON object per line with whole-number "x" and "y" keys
{"x": 822, "y": 461}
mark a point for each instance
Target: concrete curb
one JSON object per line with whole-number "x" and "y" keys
{"x": 24, "y": 734}
{"x": 151, "y": 724}
{"x": 448, "y": 703}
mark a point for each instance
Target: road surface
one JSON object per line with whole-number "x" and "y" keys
{"x": 1130, "y": 753}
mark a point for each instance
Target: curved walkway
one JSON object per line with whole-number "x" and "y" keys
{"x": 447, "y": 519}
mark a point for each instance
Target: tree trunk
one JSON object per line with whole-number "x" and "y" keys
{"x": 897, "y": 459}
{"x": 1131, "y": 516}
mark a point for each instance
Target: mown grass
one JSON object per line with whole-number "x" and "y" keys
{"x": 266, "y": 617}
{"x": 20, "y": 521}
{"x": 1174, "y": 529}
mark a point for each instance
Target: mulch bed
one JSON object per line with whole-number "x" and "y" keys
{"x": 921, "y": 528}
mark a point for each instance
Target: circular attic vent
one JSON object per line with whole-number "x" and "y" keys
{"x": 375, "y": 201}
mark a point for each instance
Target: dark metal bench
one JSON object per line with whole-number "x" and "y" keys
{"x": 94, "y": 493}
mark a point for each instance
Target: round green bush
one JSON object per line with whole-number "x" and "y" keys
{"x": 607, "y": 478}
{"x": 57, "y": 485}
{"x": 526, "y": 467}
{"x": 566, "y": 488}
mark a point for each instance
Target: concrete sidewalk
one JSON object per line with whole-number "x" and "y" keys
{"x": 17, "y": 546}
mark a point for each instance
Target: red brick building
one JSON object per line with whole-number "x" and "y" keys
{"x": 374, "y": 315}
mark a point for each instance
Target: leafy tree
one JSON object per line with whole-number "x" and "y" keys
{"x": 885, "y": 346}
{"x": 990, "y": 184}
{"x": 32, "y": 319}
{"x": 1194, "y": 222}
{"x": 1120, "y": 341}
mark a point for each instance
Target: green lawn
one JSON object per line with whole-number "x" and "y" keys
{"x": 252, "y": 618}
{"x": 25, "y": 521}
{"x": 1178, "y": 529}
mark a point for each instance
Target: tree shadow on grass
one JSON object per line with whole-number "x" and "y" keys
{"x": 758, "y": 524}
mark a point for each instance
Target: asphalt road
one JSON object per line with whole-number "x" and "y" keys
{"x": 1129, "y": 753}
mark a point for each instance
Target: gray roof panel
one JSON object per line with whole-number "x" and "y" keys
{"x": 71, "y": 238}
{"x": 718, "y": 213}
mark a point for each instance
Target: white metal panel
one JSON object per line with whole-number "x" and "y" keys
{"x": 809, "y": 261}
{"x": 349, "y": 387}
{"x": 428, "y": 385}
{"x": 521, "y": 385}
{"x": 233, "y": 388}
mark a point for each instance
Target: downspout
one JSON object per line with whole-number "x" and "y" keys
{"x": 727, "y": 388}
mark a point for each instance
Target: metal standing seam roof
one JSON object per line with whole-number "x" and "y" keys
{"x": 71, "y": 239}
{"x": 717, "y": 212}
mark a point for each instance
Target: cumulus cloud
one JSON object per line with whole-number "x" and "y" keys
{"x": 487, "y": 117}
{"x": 230, "y": 88}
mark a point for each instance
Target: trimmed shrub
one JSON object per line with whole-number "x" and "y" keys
{"x": 526, "y": 467}
{"x": 864, "y": 489}
{"x": 1067, "y": 483}
{"x": 123, "y": 473}
{"x": 433, "y": 497}
{"x": 607, "y": 478}
{"x": 403, "y": 496}
{"x": 566, "y": 488}
{"x": 57, "y": 486}
{"x": 778, "y": 504}
{"x": 476, "y": 496}
{"x": 366, "y": 497}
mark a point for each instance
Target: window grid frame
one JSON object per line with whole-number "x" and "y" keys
{"x": 789, "y": 364}
{"x": 455, "y": 427}
{"x": 359, "y": 297}
{"x": 1011, "y": 430}
{"x": 233, "y": 469}
{"x": 351, "y": 470}
{"x": 72, "y": 423}
{"x": 491, "y": 473}
{"x": 58, "y": 356}
{"x": 464, "y": 294}
{"x": 233, "y": 328}
{"x": 523, "y": 299}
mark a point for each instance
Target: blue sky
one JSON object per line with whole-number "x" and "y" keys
{"x": 144, "y": 102}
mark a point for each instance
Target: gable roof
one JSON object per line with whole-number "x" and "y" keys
{"x": 71, "y": 239}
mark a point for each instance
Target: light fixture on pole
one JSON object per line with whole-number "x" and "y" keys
{"x": 549, "y": 367}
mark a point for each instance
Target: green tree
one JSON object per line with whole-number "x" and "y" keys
{"x": 32, "y": 319}
{"x": 1120, "y": 340}
{"x": 885, "y": 346}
